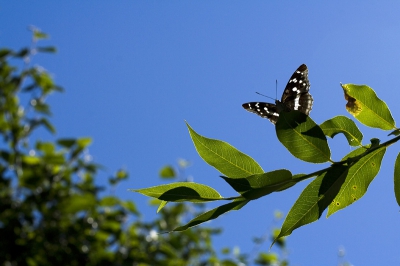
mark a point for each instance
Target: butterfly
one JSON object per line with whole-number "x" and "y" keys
{"x": 295, "y": 97}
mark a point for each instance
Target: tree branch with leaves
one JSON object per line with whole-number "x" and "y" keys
{"x": 334, "y": 187}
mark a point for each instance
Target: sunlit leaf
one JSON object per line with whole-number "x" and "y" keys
{"x": 56, "y": 159}
{"x": 314, "y": 199}
{"x": 113, "y": 226}
{"x": 121, "y": 174}
{"x": 366, "y": 107}
{"x": 46, "y": 147}
{"x": 302, "y": 137}
{"x": 162, "y": 205}
{"x": 83, "y": 142}
{"x": 167, "y": 172}
{"x": 109, "y": 201}
{"x": 224, "y": 157}
{"x": 181, "y": 191}
{"x": 255, "y": 186}
{"x": 344, "y": 125}
{"x": 76, "y": 203}
{"x": 31, "y": 160}
{"x": 40, "y": 35}
{"x": 44, "y": 80}
{"x": 357, "y": 181}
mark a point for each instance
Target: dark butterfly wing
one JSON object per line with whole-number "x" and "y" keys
{"x": 296, "y": 95}
{"x": 265, "y": 110}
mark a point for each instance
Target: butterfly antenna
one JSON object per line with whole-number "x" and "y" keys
{"x": 276, "y": 92}
{"x": 264, "y": 95}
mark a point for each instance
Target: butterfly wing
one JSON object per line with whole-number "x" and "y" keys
{"x": 296, "y": 95}
{"x": 265, "y": 110}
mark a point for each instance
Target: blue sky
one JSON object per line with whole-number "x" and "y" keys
{"x": 133, "y": 71}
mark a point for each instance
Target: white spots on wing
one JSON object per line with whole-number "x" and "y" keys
{"x": 263, "y": 110}
{"x": 296, "y": 90}
{"x": 296, "y": 102}
{"x": 293, "y": 80}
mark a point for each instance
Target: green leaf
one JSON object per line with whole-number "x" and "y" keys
{"x": 314, "y": 199}
{"x": 109, "y": 201}
{"x": 396, "y": 132}
{"x": 22, "y": 53}
{"x": 40, "y": 35}
{"x": 5, "y": 52}
{"x": 41, "y": 122}
{"x": 162, "y": 205}
{"x": 366, "y": 107}
{"x": 56, "y": 159}
{"x": 48, "y": 49}
{"x": 48, "y": 125}
{"x": 31, "y": 160}
{"x": 302, "y": 137}
{"x": 121, "y": 174}
{"x": 113, "y": 226}
{"x": 83, "y": 142}
{"x": 353, "y": 154}
{"x": 360, "y": 175}
{"x": 213, "y": 214}
{"x": 181, "y": 191}
{"x": 42, "y": 108}
{"x": 46, "y": 147}
{"x": 129, "y": 205}
{"x": 224, "y": 157}
{"x": 259, "y": 185}
{"x": 102, "y": 235}
{"x": 295, "y": 179}
{"x": 397, "y": 179}
{"x": 344, "y": 125}
{"x": 67, "y": 143}
{"x": 76, "y": 203}
{"x": 44, "y": 80}
{"x": 167, "y": 172}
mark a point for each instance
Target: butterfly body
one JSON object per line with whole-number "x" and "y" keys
{"x": 296, "y": 96}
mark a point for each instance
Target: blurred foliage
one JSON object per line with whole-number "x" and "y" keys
{"x": 51, "y": 211}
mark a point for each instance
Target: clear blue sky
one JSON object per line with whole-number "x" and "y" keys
{"x": 133, "y": 71}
